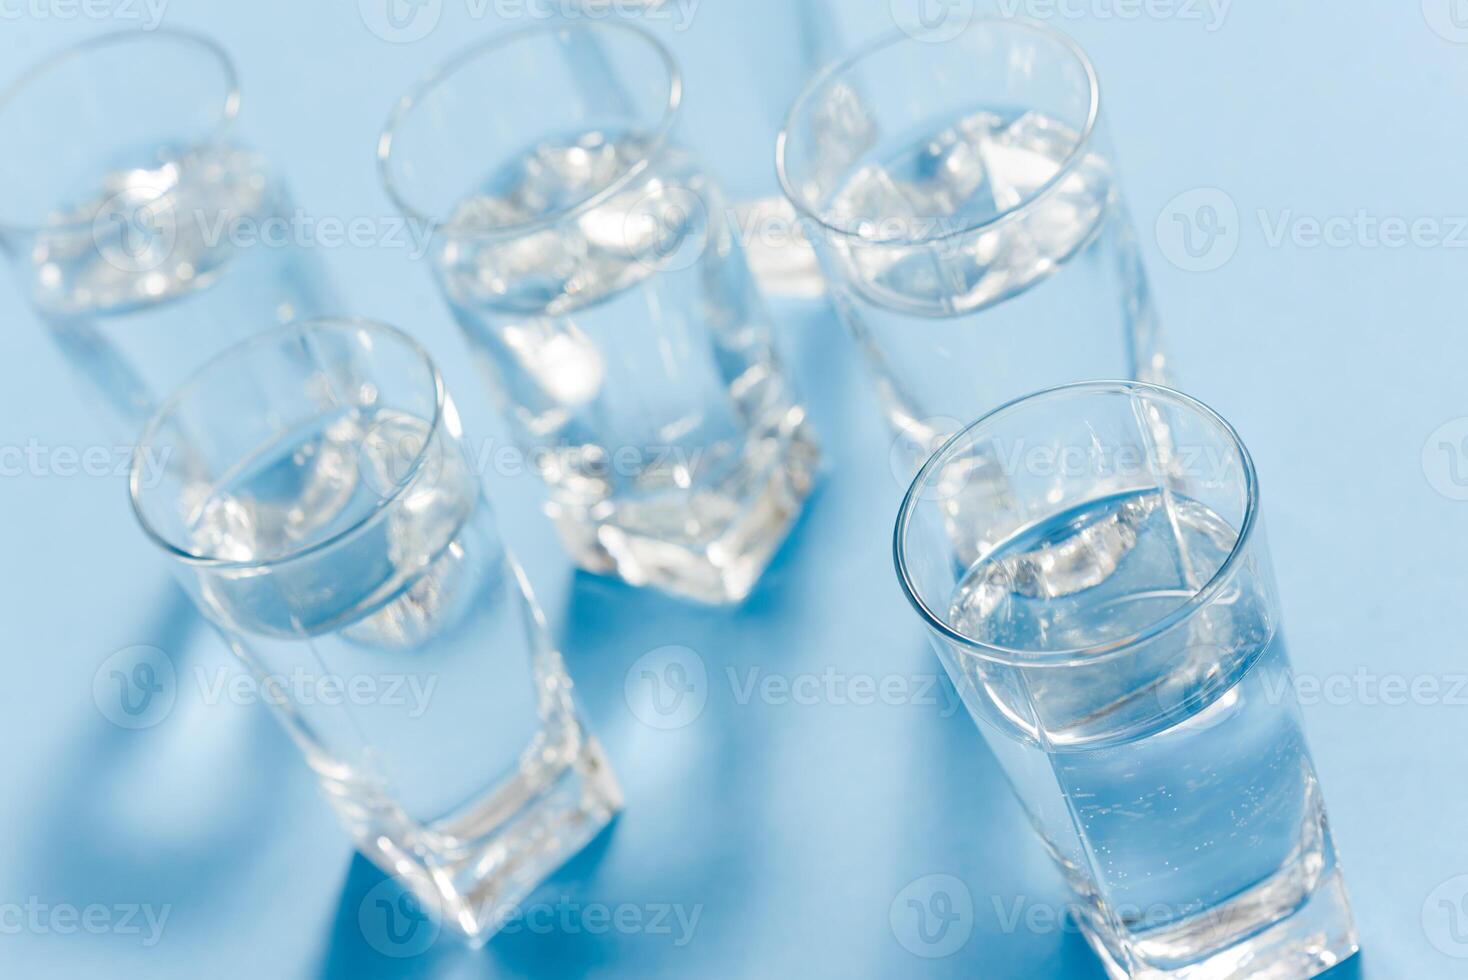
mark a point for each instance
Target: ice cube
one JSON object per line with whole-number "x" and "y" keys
{"x": 557, "y": 176}
{"x": 876, "y": 204}
{"x": 225, "y": 529}
{"x": 1026, "y": 155}
{"x": 427, "y": 607}
{"x": 955, "y": 175}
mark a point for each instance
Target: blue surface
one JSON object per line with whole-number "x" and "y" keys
{"x": 793, "y": 829}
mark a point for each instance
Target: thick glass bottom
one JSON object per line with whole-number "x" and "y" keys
{"x": 471, "y": 874}
{"x": 1317, "y": 936}
{"x": 733, "y": 540}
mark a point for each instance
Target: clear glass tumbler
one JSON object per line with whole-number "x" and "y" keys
{"x": 139, "y": 227}
{"x": 321, "y": 511}
{"x": 591, "y": 264}
{"x": 969, "y": 221}
{"x": 1121, "y": 650}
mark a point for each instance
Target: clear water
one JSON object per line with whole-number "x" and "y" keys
{"x": 959, "y": 325}
{"x": 634, "y": 359}
{"x": 422, "y": 611}
{"x": 1173, "y": 784}
{"x": 140, "y": 283}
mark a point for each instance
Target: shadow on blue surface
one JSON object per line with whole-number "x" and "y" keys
{"x": 364, "y": 944}
{"x": 1352, "y": 969}
{"x": 601, "y": 621}
{"x": 151, "y": 813}
{"x": 710, "y": 802}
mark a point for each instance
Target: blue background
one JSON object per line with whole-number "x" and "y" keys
{"x": 795, "y": 828}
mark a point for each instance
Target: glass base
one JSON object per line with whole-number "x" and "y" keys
{"x": 722, "y": 564}
{"x": 1319, "y": 935}
{"x": 471, "y": 873}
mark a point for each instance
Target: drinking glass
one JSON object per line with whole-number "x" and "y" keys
{"x": 320, "y": 509}
{"x": 965, "y": 207}
{"x": 135, "y": 219}
{"x": 590, "y": 262}
{"x": 1120, "y": 648}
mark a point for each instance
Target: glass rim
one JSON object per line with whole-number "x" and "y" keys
{"x": 899, "y": 37}
{"x": 1111, "y": 648}
{"x": 410, "y": 100}
{"x": 228, "y": 110}
{"x": 198, "y": 379}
